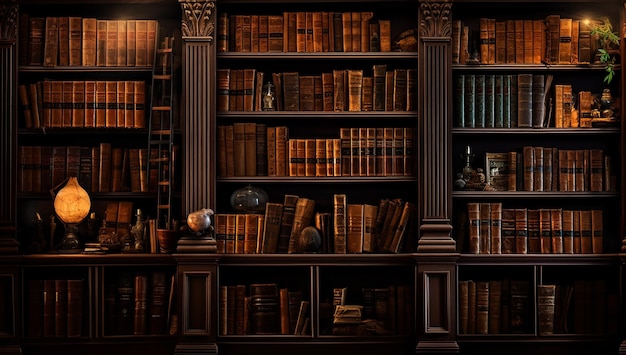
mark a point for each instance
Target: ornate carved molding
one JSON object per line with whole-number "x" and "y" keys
{"x": 198, "y": 18}
{"x": 8, "y": 21}
{"x": 435, "y": 20}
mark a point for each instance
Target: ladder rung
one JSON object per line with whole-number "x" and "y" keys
{"x": 161, "y": 108}
{"x": 162, "y": 76}
{"x": 164, "y": 50}
{"x": 163, "y": 207}
{"x": 157, "y": 160}
{"x": 164, "y": 183}
{"x": 161, "y": 132}
{"x": 159, "y": 141}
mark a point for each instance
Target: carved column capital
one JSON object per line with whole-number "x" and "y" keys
{"x": 198, "y": 18}
{"x": 435, "y": 20}
{"x": 8, "y": 21}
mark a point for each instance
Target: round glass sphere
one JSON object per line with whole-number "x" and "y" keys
{"x": 249, "y": 199}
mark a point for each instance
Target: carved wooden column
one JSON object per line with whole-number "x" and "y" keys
{"x": 8, "y": 124}
{"x": 196, "y": 276}
{"x": 198, "y": 31}
{"x": 436, "y": 257}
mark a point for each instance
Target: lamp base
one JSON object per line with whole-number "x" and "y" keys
{"x": 70, "y": 243}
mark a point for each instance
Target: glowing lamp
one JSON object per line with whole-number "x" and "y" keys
{"x": 72, "y": 205}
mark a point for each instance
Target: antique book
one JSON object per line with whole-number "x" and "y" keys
{"x": 271, "y": 228}
{"x": 275, "y": 30}
{"x": 385, "y": 35}
{"x": 469, "y": 112}
{"x": 303, "y": 313}
{"x": 482, "y": 307}
{"x": 471, "y": 302}
{"x": 586, "y": 232}
{"x": 291, "y": 91}
{"x": 597, "y": 231}
{"x": 473, "y": 218}
{"x": 340, "y": 90}
{"x": 223, "y": 89}
{"x": 565, "y": 40}
{"x": 567, "y": 230}
{"x": 231, "y": 233}
{"x": 545, "y": 230}
{"x": 584, "y": 42}
{"x": 546, "y": 297}
{"x": 264, "y": 309}
{"x": 484, "y": 236}
{"x": 49, "y": 308}
{"x": 60, "y": 308}
{"x": 249, "y": 141}
{"x": 534, "y": 231}
{"x": 355, "y": 89}
{"x": 124, "y": 303}
{"x": 507, "y": 231}
{"x": 524, "y": 100}
{"x": 239, "y": 148}
{"x": 556, "y": 226}
{"x": 286, "y": 224}
{"x": 495, "y": 228}
{"x": 282, "y": 136}
{"x": 400, "y": 230}
{"x": 538, "y": 102}
{"x": 36, "y": 40}
{"x": 66, "y": 103}
{"x": 520, "y": 306}
{"x": 251, "y": 234}
{"x": 157, "y": 307}
{"x": 495, "y": 307}
{"x": 521, "y": 231}
{"x": 51, "y": 42}
{"x": 140, "y": 294}
{"x": 340, "y": 223}
{"x": 303, "y": 217}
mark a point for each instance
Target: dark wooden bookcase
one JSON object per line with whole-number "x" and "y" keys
{"x": 432, "y": 269}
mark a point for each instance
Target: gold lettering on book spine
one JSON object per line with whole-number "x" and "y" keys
{"x": 198, "y": 18}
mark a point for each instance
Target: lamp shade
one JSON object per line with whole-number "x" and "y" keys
{"x": 72, "y": 203}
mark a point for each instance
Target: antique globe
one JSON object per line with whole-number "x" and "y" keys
{"x": 200, "y": 220}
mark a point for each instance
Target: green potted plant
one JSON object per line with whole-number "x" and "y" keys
{"x": 608, "y": 43}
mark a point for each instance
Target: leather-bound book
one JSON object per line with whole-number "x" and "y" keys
{"x": 223, "y": 89}
{"x": 346, "y": 28}
{"x": 495, "y": 305}
{"x": 303, "y": 217}
{"x": 355, "y": 24}
{"x": 567, "y": 230}
{"x": 495, "y": 227}
{"x": 534, "y": 231}
{"x": 463, "y": 306}
{"x": 385, "y": 35}
{"x": 74, "y": 308}
{"x": 521, "y": 231}
{"x": 282, "y": 136}
{"x": 473, "y": 217}
{"x": 519, "y": 41}
{"x": 141, "y": 43}
{"x": 131, "y": 43}
{"x": 111, "y": 104}
{"x": 64, "y": 41}
{"x": 288, "y": 212}
{"x": 251, "y": 234}
{"x": 301, "y": 31}
{"x": 524, "y": 100}
{"x": 36, "y": 40}
{"x": 239, "y": 148}
{"x": 482, "y": 307}
{"x": 275, "y": 29}
{"x": 507, "y": 231}
{"x": 586, "y": 232}
{"x": 340, "y": 223}
{"x": 469, "y": 113}
{"x": 520, "y": 306}
{"x": 485, "y": 228}
{"x": 354, "y": 233}
{"x": 261, "y": 149}
{"x": 249, "y": 140}
{"x": 355, "y": 89}
{"x": 471, "y": 305}
{"x": 557, "y": 230}
{"x": 546, "y": 297}
{"x": 597, "y": 231}
{"x": 306, "y": 93}
{"x": 240, "y": 233}
{"x": 49, "y": 307}
{"x": 327, "y": 91}
{"x": 59, "y": 163}
{"x": 545, "y": 230}
{"x": 316, "y": 31}
{"x": 337, "y": 29}
{"x": 60, "y": 308}
{"x": 272, "y": 221}
{"x": 553, "y": 39}
{"x": 140, "y": 104}
{"x": 139, "y": 302}
{"x": 66, "y": 103}
{"x": 78, "y": 103}
{"x": 264, "y": 309}
{"x": 310, "y": 163}
{"x": 284, "y": 311}
{"x": 291, "y": 91}
{"x": 51, "y": 43}
{"x": 55, "y": 103}
{"x": 112, "y": 43}
{"x": 565, "y": 40}
{"x": 584, "y": 42}
{"x": 339, "y": 88}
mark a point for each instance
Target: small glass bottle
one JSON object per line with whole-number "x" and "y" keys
{"x": 269, "y": 100}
